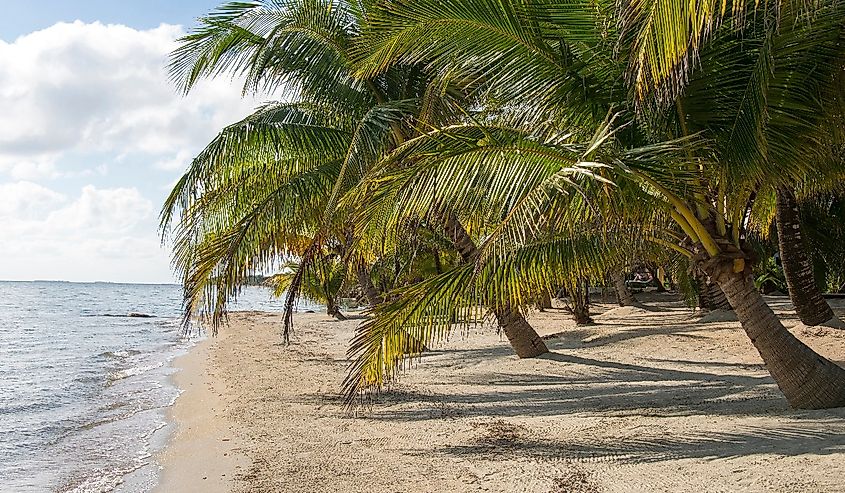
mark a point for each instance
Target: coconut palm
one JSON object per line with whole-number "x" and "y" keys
{"x": 667, "y": 40}
{"x": 500, "y": 176}
{"x": 286, "y": 172}
{"x": 761, "y": 97}
{"x": 624, "y": 297}
{"x": 321, "y": 284}
{"x": 804, "y": 290}
{"x": 824, "y": 228}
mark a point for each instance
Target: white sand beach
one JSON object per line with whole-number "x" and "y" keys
{"x": 641, "y": 401}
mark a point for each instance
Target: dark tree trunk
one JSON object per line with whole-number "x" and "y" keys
{"x": 623, "y": 294}
{"x": 807, "y": 379}
{"x": 545, "y": 301}
{"x": 580, "y": 298}
{"x": 711, "y": 296}
{"x": 366, "y": 283}
{"x": 522, "y": 337}
{"x": 809, "y": 303}
{"x": 655, "y": 274}
{"x": 412, "y": 345}
{"x": 333, "y": 310}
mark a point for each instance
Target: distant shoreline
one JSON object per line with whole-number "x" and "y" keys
{"x": 91, "y": 282}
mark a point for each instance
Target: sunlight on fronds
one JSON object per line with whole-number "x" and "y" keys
{"x": 560, "y": 139}
{"x": 426, "y": 313}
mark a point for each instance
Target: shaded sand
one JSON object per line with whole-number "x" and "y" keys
{"x": 642, "y": 401}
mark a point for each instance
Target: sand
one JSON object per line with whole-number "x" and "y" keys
{"x": 203, "y": 453}
{"x": 641, "y": 401}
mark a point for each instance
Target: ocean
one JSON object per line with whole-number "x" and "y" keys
{"x": 84, "y": 388}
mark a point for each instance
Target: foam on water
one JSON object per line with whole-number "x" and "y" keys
{"x": 84, "y": 397}
{"x": 132, "y": 371}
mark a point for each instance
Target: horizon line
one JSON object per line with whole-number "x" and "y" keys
{"x": 92, "y": 282}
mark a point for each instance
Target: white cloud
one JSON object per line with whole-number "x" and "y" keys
{"x": 102, "y": 234}
{"x": 26, "y": 200}
{"x": 102, "y": 88}
{"x": 111, "y": 211}
{"x": 178, "y": 162}
{"x": 93, "y": 102}
{"x": 26, "y": 168}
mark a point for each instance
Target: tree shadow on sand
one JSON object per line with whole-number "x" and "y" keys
{"x": 569, "y": 381}
{"x": 499, "y": 440}
{"x": 585, "y": 385}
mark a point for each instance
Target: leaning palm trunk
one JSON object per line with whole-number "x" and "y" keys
{"x": 333, "y": 310}
{"x": 809, "y": 303}
{"x": 655, "y": 274}
{"x": 522, "y": 337}
{"x": 711, "y": 296}
{"x": 623, "y": 295}
{"x": 807, "y": 379}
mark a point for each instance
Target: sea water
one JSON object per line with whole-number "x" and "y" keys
{"x": 84, "y": 388}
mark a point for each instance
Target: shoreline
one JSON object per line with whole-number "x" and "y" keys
{"x": 654, "y": 401}
{"x": 201, "y": 451}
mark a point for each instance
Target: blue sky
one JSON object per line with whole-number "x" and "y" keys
{"x": 92, "y": 135}
{"x": 24, "y": 17}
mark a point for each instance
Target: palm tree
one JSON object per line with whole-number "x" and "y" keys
{"x": 760, "y": 97}
{"x": 287, "y": 172}
{"x": 823, "y": 226}
{"x": 579, "y": 295}
{"x": 667, "y": 38}
{"x": 624, "y": 297}
{"x": 492, "y": 171}
{"x": 804, "y": 291}
{"x": 321, "y": 284}
{"x": 710, "y": 295}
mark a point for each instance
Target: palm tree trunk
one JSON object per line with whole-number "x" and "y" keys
{"x": 333, "y": 310}
{"x": 580, "y": 297}
{"x": 545, "y": 301}
{"x": 655, "y": 272}
{"x": 438, "y": 265}
{"x": 623, "y": 294}
{"x": 809, "y": 303}
{"x": 522, "y": 337}
{"x": 807, "y": 379}
{"x": 366, "y": 283}
{"x": 711, "y": 296}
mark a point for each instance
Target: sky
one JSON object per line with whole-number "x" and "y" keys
{"x": 92, "y": 135}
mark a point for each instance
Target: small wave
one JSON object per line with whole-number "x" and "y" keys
{"x": 119, "y": 354}
{"x": 104, "y": 479}
{"x": 106, "y": 420}
{"x": 169, "y": 324}
{"x": 132, "y": 371}
{"x": 28, "y": 407}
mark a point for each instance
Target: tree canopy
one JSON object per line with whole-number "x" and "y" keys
{"x": 523, "y": 145}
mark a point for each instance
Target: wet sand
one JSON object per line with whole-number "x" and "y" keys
{"x": 202, "y": 454}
